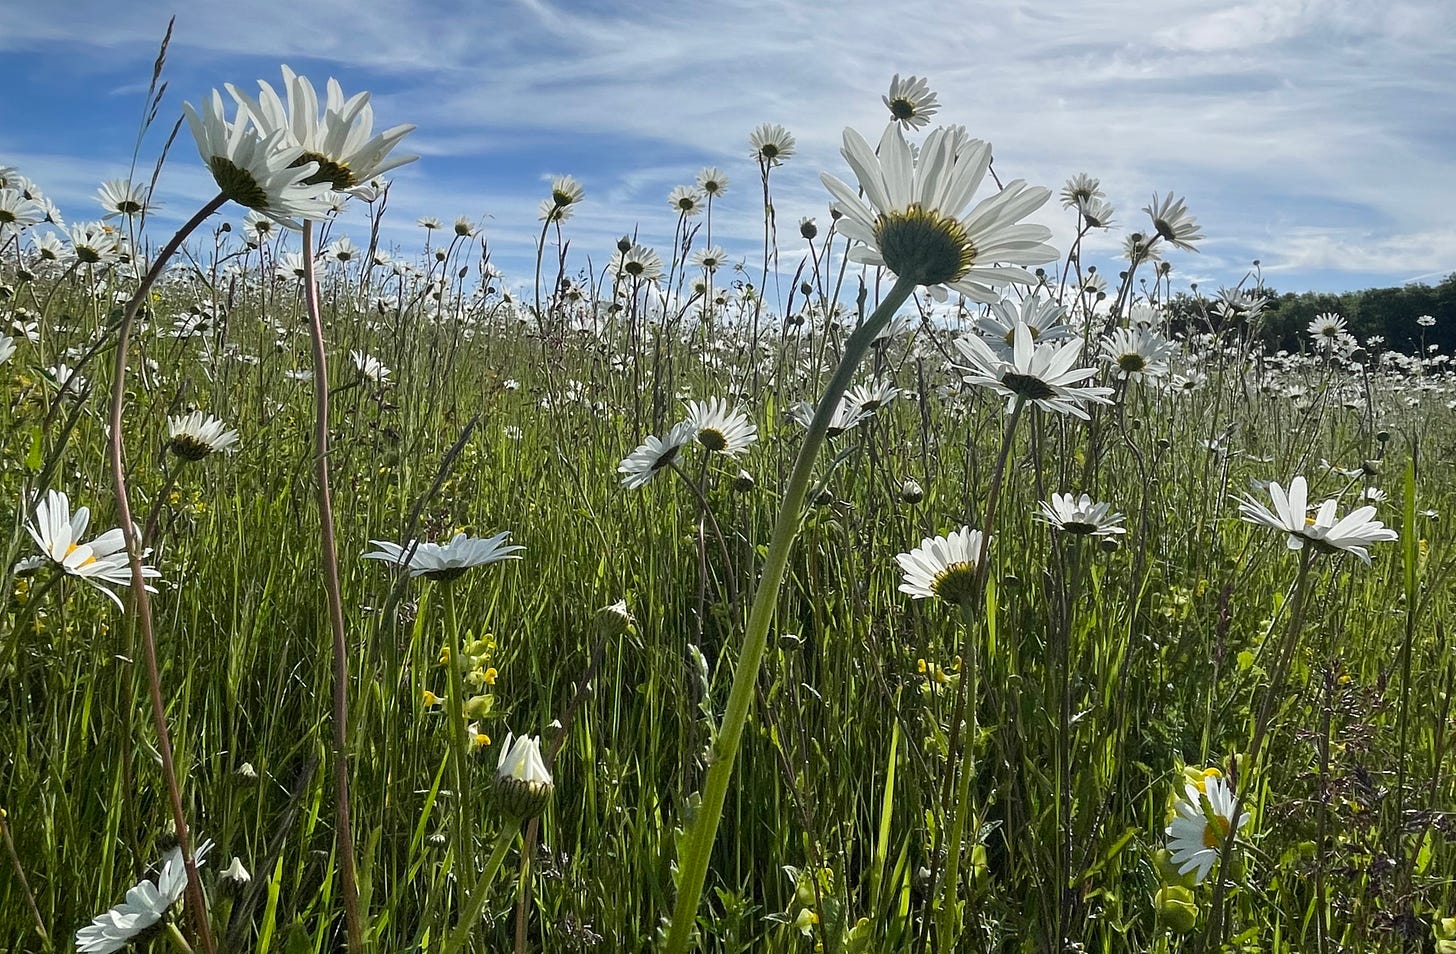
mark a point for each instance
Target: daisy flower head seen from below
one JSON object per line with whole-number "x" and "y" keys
{"x": 712, "y": 181}
{"x": 122, "y": 197}
{"x": 194, "y": 436}
{"x": 1138, "y": 352}
{"x": 654, "y": 454}
{"x": 565, "y": 190}
{"x": 1080, "y": 188}
{"x": 638, "y": 262}
{"x": 1172, "y": 222}
{"x": 371, "y": 368}
{"x": 341, "y": 141}
{"x": 1324, "y": 531}
{"x": 261, "y": 172}
{"x": 711, "y": 258}
{"x": 101, "y": 562}
{"x": 1202, "y": 821}
{"x": 686, "y": 201}
{"x": 446, "y": 561}
{"x": 1044, "y": 375}
{"x": 910, "y": 102}
{"x": 145, "y": 906}
{"x": 847, "y": 416}
{"x": 772, "y": 144}
{"x": 720, "y": 429}
{"x": 913, "y": 219}
{"x": 1044, "y": 319}
{"x": 942, "y": 568}
{"x": 1080, "y": 516}
{"x": 1096, "y": 212}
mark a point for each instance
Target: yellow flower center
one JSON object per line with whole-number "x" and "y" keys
{"x": 1216, "y": 832}
{"x": 336, "y": 174}
{"x": 924, "y": 245}
{"x": 955, "y": 583}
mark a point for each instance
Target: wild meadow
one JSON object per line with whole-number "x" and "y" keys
{"x": 915, "y": 586}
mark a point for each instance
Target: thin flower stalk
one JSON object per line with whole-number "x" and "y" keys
{"x": 343, "y": 830}
{"x": 197, "y": 902}
{"x": 693, "y": 865}
{"x": 475, "y": 904}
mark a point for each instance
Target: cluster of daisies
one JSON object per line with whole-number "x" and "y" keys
{"x": 713, "y": 424}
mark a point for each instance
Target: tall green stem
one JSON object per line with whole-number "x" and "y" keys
{"x": 693, "y": 869}
{"x": 343, "y": 831}
{"x": 459, "y": 742}
{"x": 476, "y": 903}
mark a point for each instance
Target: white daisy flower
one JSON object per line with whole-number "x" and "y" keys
{"x": 653, "y": 454}
{"x": 1290, "y": 513}
{"x": 1172, "y": 222}
{"x": 101, "y": 562}
{"x": 772, "y": 144}
{"x": 942, "y": 567}
{"x": 146, "y": 905}
{"x": 720, "y": 429}
{"x": 1043, "y": 375}
{"x": 1201, "y": 823}
{"x": 194, "y": 436}
{"x": 913, "y": 219}
{"x": 910, "y": 102}
{"x": 446, "y": 561}
{"x": 1080, "y": 515}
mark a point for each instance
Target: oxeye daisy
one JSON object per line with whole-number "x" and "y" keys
{"x": 712, "y": 181}
{"x": 685, "y": 200}
{"x": 872, "y": 397}
{"x": 565, "y": 190}
{"x": 1043, "y": 317}
{"x": 1326, "y": 328}
{"x": 446, "y": 561}
{"x": 343, "y": 250}
{"x": 720, "y": 429}
{"x": 1173, "y": 223}
{"x": 1290, "y": 513}
{"x": 122, "y": 197}
{"x": 1096, "y": 212}
{"x": 942, "y": 567}
{"x": 1138, "y": 352}
{"x": 7, "y": 348}
{"x": 1080, "y": 188}
{"x": 551, "y": 211}
{"x": 1044, "y": 375}
{"x": 1080, "y": 516}
{"x": 145, "y": 906}
{"x": 654, "y": 454}
{"x": 910, "y": 102}
{"x": 340, "y": 141}
{"x": 711, "y": 258}
{"x": 847, "y": 416}
{"x": 772, "y": 144}
{"x": 636, "y": 262}
{"x": 913, "y": 219}
{"x": 16, "y": 211}
{"x": 265, "y": 173}
{"x": 102, "y": 561}
{"x": 1136, "y": 248}
{"x": 372, "y": 369}
{"x": 94, "y": 243}
{"x": 194, "y": 436}
{"x": 523, "y": 784}
{"x": 1202, "y": 821}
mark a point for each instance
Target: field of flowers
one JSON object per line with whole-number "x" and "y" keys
{"x": 918, "y": 587}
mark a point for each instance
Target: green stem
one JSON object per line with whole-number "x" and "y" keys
{"x": 476, "y": 903}
{"x": 693, "y": 870}
{"x": 459, "y": 742}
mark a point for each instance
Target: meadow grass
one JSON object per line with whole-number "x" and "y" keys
{"x": 1100, "y": 671}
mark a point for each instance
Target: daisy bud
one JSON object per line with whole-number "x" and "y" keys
{"x": 1382, "y": 436}
{"x": 823, "y": 498}
{"x": 246, "y": 774}
{"x": 616, "y": 620}
{"x": 808, "y": 228}
{"x": 523, "y": 786}
{"x": 624, "y": 245}
{"x": 1108, "y": 544}
{"x": 1370, "y": 467}
{"x": 744, "y": 482}
{"x": 911, "y": 492}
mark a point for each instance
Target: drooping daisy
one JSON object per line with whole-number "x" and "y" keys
{"x": 1041, "y": 374}
{"x": 685, "y": 200}
{"x": 772, "y": 144}
{"x": 943, "y": 567}
{"x": 1138, "y": 352}
{"x": 145, "y": 906}
{"x": 654, "y": 454}
{"x": 447, "y": 561}
{"x": 122, "y": 197}
{"x": 1097, "y": 212}
{"x": 721, "y": 429}
{"x": 1080, "y": 516}
{"x": 1173, "y": 223}
{"x": 371, "y": 368}
{"x": 266, "y": 173}
{"x": 194, "y": 436}
{"x": 712, "y": 181}
{"x": 637, "y": 261}
{"x": 464, "y": 227}
{"x": 551, "y": 211}
{"x": 1201, "y": 824}
{"x": 340, "y": 141}
{"x": 913, "y": 218}
{"x": 1323, "y": 531}
{"x": 910, "y": 102}
{"x": 101, "y": 562}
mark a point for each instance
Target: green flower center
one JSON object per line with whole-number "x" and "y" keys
{"x": 1078, "y": 527}
{"x": 1165, "y": 230}
{"x": 956, "y": 583}
{"x": 336, "y": 174}
{"x": 768, "y": 150}
{"x": 128, "y": 207}
{"x": 713, "y": 439}
{"x": 1132, "y": 362}
{"x": 1028, "y": 386}
{"x": 87, "y": 255}
{"x": 902, "y": 108}
{"x": 924, "y": 245}
{"x": 237, "y": 184}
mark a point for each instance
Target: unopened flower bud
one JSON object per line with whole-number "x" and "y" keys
{"x": 744, "y": 482}
{"x": 234, "y": 878}
{"x": 911, "y": 492}
{"x": 523, "y": 786}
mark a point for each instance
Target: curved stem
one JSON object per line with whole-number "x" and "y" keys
{"x": 343, "y": 833}
{"x": 196, "y": 901}
{"x": 693, "y": 870}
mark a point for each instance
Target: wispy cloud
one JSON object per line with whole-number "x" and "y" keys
{"x": 1315, "y": 135}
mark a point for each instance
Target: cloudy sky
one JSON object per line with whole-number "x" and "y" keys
{"x": 1318, "y": 136}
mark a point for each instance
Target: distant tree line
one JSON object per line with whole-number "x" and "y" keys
{"x": 1389, "y": 313}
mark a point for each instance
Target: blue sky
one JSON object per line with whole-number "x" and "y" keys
{"x": 1318, "y": 136}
